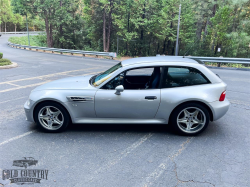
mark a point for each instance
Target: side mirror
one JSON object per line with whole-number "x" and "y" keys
{"x": 119, "y": 89}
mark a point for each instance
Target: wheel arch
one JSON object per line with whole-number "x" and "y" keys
{"x": 52, "y": 101}
{"x": 211, "y": 115}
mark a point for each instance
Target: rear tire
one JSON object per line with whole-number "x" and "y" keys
{"x": 51, "y": 117}
{"x": 190, "y": 119}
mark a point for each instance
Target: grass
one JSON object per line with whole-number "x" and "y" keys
{"x": 4, "y": 62}
{"x": 35, "y": 40}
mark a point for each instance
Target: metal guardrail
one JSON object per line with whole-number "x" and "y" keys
{"x": 220, "y": 60}
{"x": 61, "y": 51}
{"x": 23, "y": 32}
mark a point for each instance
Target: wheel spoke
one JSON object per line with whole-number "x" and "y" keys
{"x": 55, "y": 114}
{"x": 48, "y": 111}
{"x": 189, "y": 125}
{"x": 186, "y": 113}
{"x": 196, "y": 121}
{"x": 44, "y": 117}
{"x": 182, "y": 120}
{"x": 195, "y": 113}
{"x": 50, "y": 123}
{"x": 57, "y": 121}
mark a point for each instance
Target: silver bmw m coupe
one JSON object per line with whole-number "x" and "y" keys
{"x": 147, "y": 90}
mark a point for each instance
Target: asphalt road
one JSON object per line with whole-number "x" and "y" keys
{"x": 120, "y": 155}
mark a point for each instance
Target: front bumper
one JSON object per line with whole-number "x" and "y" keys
{"x": 219, "y": 108}
{"x": 28, "y": 110}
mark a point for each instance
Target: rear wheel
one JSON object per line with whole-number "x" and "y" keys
{"x": 51, "y": 117}
{"x": 190, "y": 119}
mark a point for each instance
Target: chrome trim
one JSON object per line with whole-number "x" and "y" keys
{"x": 80, "y": 98}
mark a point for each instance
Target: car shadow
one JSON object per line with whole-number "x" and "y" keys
{"x": 212, "y": 130}
{"x": 120, "y": 128}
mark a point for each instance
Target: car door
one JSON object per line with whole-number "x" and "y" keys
{"x": 131, "y": 103}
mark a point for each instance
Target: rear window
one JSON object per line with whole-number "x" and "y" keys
{"x": 182, "y": 76}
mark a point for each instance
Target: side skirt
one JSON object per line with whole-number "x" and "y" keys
{"x": 118, "y": 121}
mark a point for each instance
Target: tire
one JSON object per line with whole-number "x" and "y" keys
{"x": 189, "y": 119}
{"x": 51, "y": 117}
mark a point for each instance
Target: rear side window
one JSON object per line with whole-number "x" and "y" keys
{"x": 182, "y": 76}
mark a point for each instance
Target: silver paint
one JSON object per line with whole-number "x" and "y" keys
{"x": 130, "y": 106}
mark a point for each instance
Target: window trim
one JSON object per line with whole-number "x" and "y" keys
{"x": 125, "y": 72}
{"x": 166, "y": 67}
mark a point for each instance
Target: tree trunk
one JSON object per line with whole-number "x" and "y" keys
{"x": 47, "y": 31}
{"x": 51, "y": 35}
{"x": 164, "y": 46}
{"x": 158, "y": 46}
{"x": 109, "y": 26}
{"x": 104, "y": 30}
{"x": 60, "y": 29}
{"x": 15, "y": 27}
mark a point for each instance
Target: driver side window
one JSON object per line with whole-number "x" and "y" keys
{"x": 118, "y": 80}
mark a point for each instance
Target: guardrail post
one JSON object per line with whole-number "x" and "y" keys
{"x": 96, "y": 56}
{"x": 52, "y": 51}
{"x": 36, "y": 49}
{"x": 44, "y": 51}
{"x": 61, "y": 53}
{"x": 218, "y": 64}
{"x": 83, "y": 54}
{"x": 72, "y": 53}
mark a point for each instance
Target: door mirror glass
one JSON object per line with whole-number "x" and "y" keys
{"x": 119, "y": 89}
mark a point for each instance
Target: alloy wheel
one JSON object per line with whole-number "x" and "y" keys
{"x": 191, "y": 120}
{"x": 50, "y": 117}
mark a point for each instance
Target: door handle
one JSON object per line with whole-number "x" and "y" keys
{"x": 150, "y": 97}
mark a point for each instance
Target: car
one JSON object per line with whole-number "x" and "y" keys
{"x": 25, "y": 162}
{"x": 146, "y": 90}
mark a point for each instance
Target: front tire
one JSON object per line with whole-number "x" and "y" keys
{"x": 190, "y": 119}
{"x": 51, "y": 117}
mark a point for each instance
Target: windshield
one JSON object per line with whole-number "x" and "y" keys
{"x": 99, "y": 79}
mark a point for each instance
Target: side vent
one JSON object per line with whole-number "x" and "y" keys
{"x": 80, "y": 98}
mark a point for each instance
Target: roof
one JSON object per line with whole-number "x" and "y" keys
{"x": 157, "y": 59}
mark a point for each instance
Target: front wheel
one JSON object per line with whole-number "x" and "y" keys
{"x": 51, "y": 117}
{"x": 190, "y": 119}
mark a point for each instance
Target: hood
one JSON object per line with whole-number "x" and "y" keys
{"x": 71, "y": 83}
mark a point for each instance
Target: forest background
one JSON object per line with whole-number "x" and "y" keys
{"x": 142, "y": 27}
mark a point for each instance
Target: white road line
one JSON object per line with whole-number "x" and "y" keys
{"x": 123, "y": 154}
{"x": 49, "y": 75}
{"x": 151, "y": 178}
{"x": 27, "y": 86}
{"x": 14, "y": 99}
{"x": 12, "y": 84}
{"x": 37, "y": 84}
{"x": 17, "y": 137}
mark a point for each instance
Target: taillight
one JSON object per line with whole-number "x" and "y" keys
{"x": 222, "y": 96}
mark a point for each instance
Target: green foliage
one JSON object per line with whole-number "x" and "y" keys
{"x": 144, "y": 27}
{"x": 1, "y": 55}
{"x": 35, "y": 40}
{"x": 4, "y": 62}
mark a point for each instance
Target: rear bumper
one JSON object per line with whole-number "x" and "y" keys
{"x": 219, "y": 108}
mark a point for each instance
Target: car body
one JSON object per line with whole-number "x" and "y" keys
{"x": 25, "y": 162}
{"x": 100, "y": 98}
